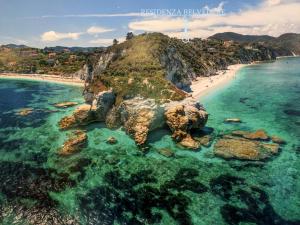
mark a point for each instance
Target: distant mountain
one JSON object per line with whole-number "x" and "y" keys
{"x": 231, "y": 36}
{"x": 286, "y": 44}
{"x": 59, "y": 49}
{"x": 14, "y": 46}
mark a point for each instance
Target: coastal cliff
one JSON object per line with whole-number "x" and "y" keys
{"x": 142, "y": 84}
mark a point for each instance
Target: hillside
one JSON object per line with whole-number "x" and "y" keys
{"x": 286, "y": 44}
{"x": 289, "y": 42}
{"x": 231, "y": 36}
{"x": 55, "y": 60}
{"x": 157, "y": 66}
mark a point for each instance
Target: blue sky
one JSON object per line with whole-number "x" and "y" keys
{"x": 42, "y": 23}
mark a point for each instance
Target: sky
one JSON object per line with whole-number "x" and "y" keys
{"x": 40, "y": 23}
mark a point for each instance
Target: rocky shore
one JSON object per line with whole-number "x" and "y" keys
{"x": 139, "y": 116}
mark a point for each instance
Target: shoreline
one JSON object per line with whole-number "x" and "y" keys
{"x": 43, "y": 77}
{"x": 205, "y": 85}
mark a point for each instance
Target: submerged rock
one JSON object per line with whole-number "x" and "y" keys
{"x": 111, "y": 140}
{"x": 189, "y": 142}
{"x": 278, "y": 140}
{"x": 233, "y": 120}
{"x": 230, "y": 147}
{"x": 205, "y": 140}
{"x": 65, "y": 104}
{"x": 67, "y": 122}
{"x": 77, "y": 140}
{"x": 166, "y": 152}
{"x": 24, "y": 112}
{"x": 259, "y": 135}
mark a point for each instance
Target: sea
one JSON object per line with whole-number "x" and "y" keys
{"x": 119, "y": 184}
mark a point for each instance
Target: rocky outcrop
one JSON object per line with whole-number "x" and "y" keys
{"x": 102, "y": 103}
{"x": 177, "y": 71}
{"x": 83, "y": 115}
{"x": 182, "y": 117}
{"x": 240, "y": 148}
{"x": 76, "y": 141}
{"x": 65, "y": 104}
{"x": 138, "y": 116}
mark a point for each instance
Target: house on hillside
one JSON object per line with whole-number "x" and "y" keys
{"x": 51, "y": 55}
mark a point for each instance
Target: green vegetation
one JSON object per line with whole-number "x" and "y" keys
{"x": 157, "y": 66}
{"x": 32, "y": 60}
{"x": 135, "y": 69}
{"x": 286, "y": 44}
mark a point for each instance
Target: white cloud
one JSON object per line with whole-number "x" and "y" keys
{"x": 272, "y": 17}
{"x": 98, "y": 15}
{"x": 98, "y": 30}
{"x": 105, "y": 41}
{"x": 50, "y": 36}
{"x": 159, "y": 25}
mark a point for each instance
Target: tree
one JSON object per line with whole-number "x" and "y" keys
{"x": 115, "y": 42}
{"x": 129, "y": 35}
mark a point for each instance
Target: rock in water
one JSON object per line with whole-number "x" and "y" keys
{"x": 138, "y": 116}
{"x": 111, "y": 140}
{"x": 166, "y": 152}
{"x": 67, "y": 122}
{"x": 77, "y": 140}
{"x": 182, "y": 117}
{"x": 230, "y": 147}
{"x": 259, "y": 135}
{"x": 278, "y": 140}
{"x": 233, "y": 120}
{"x": 205, "y": 140}
{"x": 24, "y": 112}
{"x": 189, "y": 142}
{"x": 83, "y": 115}
{"x": 65, "y": 104}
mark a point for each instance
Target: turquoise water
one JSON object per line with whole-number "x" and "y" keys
{"x": 118, "y": 184}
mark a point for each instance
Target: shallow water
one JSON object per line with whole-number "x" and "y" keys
{"x": 117, "y": 184}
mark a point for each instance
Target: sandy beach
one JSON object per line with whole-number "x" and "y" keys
{"x": 204, "y": 85}
{"x": 44, "y": 77}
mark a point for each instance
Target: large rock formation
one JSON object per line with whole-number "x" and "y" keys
{"x": 184, "y": 116}
{"x": 102, "y": 103}
{"x": 138, "y": 116}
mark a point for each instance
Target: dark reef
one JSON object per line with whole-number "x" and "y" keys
{"x": 22, "y": 183}
{"x": 235, "y": 192}
{"x": 132, "y": 200}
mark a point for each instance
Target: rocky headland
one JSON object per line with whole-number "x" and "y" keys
{"x": 143, "y": 84}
